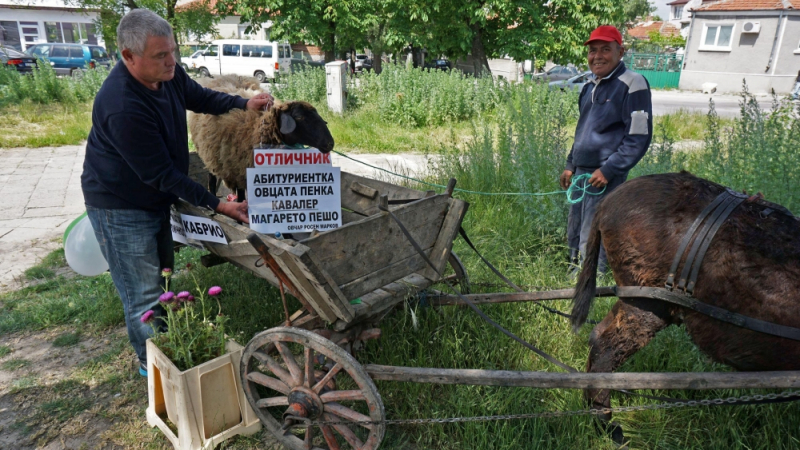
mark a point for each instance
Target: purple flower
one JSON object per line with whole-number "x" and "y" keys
{"x": 190, "y": 299}
{"x": 166, "y": 297}
{"x": 147, "y": 317}
{"x": 183, "y": 295}
{"x": 189, "y": 266}
{"x": 166, "y": 272}
{"x": 214, "y": 291}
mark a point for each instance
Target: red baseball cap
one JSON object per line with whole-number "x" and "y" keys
{"x": 605, "y": 33}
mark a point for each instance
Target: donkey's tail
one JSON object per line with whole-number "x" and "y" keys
{"x": 587, "y": 280}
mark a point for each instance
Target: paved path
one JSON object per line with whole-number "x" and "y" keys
{"x": 41, "y": 194}
{"x": 665, "y": 102}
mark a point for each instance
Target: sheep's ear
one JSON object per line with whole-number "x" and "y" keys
{"x": 287, "y": 123}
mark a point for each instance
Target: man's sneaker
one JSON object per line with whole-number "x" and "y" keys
{"x": 143, "y": 370}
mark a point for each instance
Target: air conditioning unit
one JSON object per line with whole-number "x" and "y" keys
{"x": 751, "y": 27}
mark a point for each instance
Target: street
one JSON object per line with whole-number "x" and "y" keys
{"x": 665, "y": 102}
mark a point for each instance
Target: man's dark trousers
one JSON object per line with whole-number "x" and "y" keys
{"x": 581, "y": 215}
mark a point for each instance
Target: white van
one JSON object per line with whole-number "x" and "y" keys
{"x": 261, "y": 59}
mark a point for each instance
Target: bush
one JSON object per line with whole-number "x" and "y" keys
{"x": 306, "y": 84}
{"x": 45, "y": 87}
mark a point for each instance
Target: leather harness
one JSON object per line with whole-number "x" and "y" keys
{"x": 700, "y": 234}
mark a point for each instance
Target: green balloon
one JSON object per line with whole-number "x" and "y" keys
{"x": 69, "y": 228}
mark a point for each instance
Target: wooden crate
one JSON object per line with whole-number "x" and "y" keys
{"x": 205, "y": 403}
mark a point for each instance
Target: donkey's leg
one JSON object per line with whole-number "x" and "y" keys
{"x": 628, "y": 327}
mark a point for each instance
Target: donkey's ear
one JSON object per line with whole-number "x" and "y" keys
{"x": 287, "y": 123}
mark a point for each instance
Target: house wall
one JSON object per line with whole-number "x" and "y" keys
{"x": 751, "y": 56}
{"x": 45, "y": 14}
{"x": 788, "y": 60}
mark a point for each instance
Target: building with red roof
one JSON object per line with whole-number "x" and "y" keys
{"x": 729, "y": 41}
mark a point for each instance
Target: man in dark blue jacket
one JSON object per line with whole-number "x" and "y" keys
{"x": 137, "y": 161}
{"x": 614, "y": 131}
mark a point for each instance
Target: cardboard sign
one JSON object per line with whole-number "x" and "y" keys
{"x": 185, "y": 228}
{"x": 294, "y": 199}
{"x": 282, "y": 157}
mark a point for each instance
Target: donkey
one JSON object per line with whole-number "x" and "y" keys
{"x": 752, "y": 268}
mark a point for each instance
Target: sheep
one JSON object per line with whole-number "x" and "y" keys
{"x": 225, "y": 143}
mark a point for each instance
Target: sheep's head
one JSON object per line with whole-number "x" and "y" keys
{"x": 300, "y": 123}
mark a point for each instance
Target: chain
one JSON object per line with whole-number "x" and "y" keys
{"x": 581, "y": 412}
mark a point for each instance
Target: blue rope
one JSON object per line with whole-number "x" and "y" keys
{"x": 574, "y": 187}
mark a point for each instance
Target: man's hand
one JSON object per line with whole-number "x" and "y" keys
{"x": 598, "y": 180}
{"x": 565, "y": 179}
{"x": 260, "y": 102}
{"x": 234, "y": 210}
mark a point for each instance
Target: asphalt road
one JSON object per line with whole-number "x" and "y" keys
{"x": 665, "y": 102}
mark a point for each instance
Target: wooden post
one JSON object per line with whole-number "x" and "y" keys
{"x": 451, "y": 185}
{"x": 561, "y": 380}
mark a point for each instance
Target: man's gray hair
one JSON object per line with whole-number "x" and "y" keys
{"x": 136, "y": 26}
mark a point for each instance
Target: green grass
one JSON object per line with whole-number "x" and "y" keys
{"x": 4, "y": 350}
{"x": 16, "y": 363}
{"x": 67, "y": 339}
{"x": 29, "y": 124}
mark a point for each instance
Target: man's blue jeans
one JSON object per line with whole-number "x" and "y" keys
{"x": 580, "y": 219}
{"x": 137, "y": 244}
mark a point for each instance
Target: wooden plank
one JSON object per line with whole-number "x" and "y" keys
{"x": 338, "y": 301}
{"x": 309, "y": 292}
{"x": 349, "y": 217}
{"x": 383, "y": 276}
{"x": 562, "y": 380}
{"x": 366, "y": 205}
{"x": 477, "y": 299}
{"x": 444, "y": 242}
{"x": 363, "y": 189}
{"x": 359, "y": 248}
{"x": 376, "y": 304}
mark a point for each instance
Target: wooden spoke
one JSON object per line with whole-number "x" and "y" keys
{"x": 347, "y": 413}
{"x": 309, "y": 438}
{"x": 330, "y": 438}
{"x": 273, "y": 367}
{"x": 291, "y": 364}
{"x": 346, "y": 433}
{"x": 272, "y": 401}
{"x": 338, "y": 396}
{"x": 272, "y": 383}
{"x": 301, "y": 355}
{"x": 331, "y": 373}
{"x": 309, "y": 375}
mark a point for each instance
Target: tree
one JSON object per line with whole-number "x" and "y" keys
{"x": 196, "y": 18}
{"x": 633, "y": 9}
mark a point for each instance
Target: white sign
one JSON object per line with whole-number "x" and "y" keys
{"x": 198, "y": 228}
{"x": 294, "y": 199}
{"x": 281, "y": 157}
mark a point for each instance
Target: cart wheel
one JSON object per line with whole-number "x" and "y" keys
{"x": 460, "y": 272}
{"x": 290, "y": 373}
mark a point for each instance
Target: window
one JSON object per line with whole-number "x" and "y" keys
{"x": 230, "y": 50}
{"x": 9, "y": 35}
{"x": 42, "y": 51}
{"x": 59, "y": 51}
{"x": 211, "y": 51}
{"x": 76, "y": 52}
{"x": 284, "y": 51}
{"x": 99, "y": 53}
{"x": 257, "y": 51}
{"x": 717, "y": 38}
{"x": 677, "y": 12}
{"x": 53, "y": 32}
{"x": 71, "y": 33}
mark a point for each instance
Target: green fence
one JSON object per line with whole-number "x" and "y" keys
{"x": 662, "y": 71}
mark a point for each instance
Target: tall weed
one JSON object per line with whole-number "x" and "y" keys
{"x": 306, "y": 84}
{"x": 45, "y": 87}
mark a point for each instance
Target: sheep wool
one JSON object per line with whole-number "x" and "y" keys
{"x": 225, "y": 143}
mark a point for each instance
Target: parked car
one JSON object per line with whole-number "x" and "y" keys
{"x": 439, "y": 64}
{"x": 299, "y": 63}
{"x": 71, "y": 59}
{"x": 188, "y": 61}
{"x": 557, "y": 73}
{"x": 575, "y": 82}
{"x": 363, "y": 62}
{"x": 19, "y": 61}
{"x": 251, "y": 58}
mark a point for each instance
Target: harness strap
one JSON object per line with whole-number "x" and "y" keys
{"x": 477, "y": 310}
{"x": 714, "y": 312}
{"x": 687, "y": 238}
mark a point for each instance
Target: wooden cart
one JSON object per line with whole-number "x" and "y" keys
{"x": 302, "y": 380}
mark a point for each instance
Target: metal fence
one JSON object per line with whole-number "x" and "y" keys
{"x": 662, "y": 71}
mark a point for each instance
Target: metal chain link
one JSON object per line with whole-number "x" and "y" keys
{"x": 581, "y": 412}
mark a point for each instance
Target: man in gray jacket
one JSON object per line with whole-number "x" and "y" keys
{"x": 614, "y": 131}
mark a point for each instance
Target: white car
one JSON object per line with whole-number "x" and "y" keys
{"x": 186, "y": 61}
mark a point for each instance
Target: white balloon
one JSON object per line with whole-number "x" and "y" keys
{"x": 83, "y": 251}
